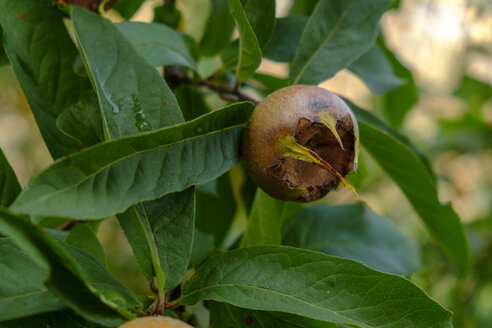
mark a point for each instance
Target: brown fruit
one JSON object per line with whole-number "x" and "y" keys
{"x": 92, "y": 5}
{"x": 155, "y": 322}
{"x": 300, "y": 142}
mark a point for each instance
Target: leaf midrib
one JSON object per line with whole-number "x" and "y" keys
{"x": 47, "y": 196}
{"x": 279, "y": 293}
{"x": 39, "y": 291}
{"x": 322, "y": 45}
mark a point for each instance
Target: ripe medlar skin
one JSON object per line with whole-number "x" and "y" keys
{"x": 155, "y": 322}
{"x": 92, "y": 5}
{"x": 303, "y": 112}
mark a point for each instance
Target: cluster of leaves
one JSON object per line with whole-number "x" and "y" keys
{"x": 126, "y": 144}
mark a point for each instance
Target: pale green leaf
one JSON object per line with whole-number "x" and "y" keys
{"x": 249, "y": 48}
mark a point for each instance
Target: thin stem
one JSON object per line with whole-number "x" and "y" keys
{"x": 224, "y": 89}
{"x": 67, "y": 225}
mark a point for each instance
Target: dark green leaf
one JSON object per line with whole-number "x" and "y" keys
{"x": 271, "y": 83}
{"x": 223, "y": 315}
{"x": 109, "y": 177}
{"x": 9, "y": 185}
{"x": 365, "y": 116}
{"x": 414, "y": 179}
{"x": 168, "y": 14}
{"x": 202, "y": 245}
{"x": 355, "y": 232}
{"x": 337, "y": 33}
{"x": 22, "y": 289}
{"x": 218, "y": 30}
{"x": 84, "y": 237}
{"x": 62, "y": 319}
{"x": 3, "y": 56}
{"x": 288, "y": 32}
{"x": 133, "y": 96}
{"x": 42, "y": 55}
{"x": 303, "y": 7}
{"x": 215, "y": 208}
{"x": 261, "y": 17}
{"x": 399, "y": 101}
{"x": 374, "y": 68}
{"x": 128, "y": 8}
{"x": 191, "y": 102}
{"x": 249, "y": 48}
{"x": 75, "y": 277}
{"x": 159, "y": 44}
{"x": 161, "y": 234}
{"x": 264, "y": 222}
{"x": 313, "y": 285}
{"x": 82, "y": 121}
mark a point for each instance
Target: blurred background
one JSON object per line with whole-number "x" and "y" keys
{"x": 447, "y": 45}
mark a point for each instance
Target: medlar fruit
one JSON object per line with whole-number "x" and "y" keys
{"x": 300, "y": 143}
{"x": 155, "y": 322}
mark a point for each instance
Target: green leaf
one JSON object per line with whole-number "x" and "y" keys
{"x": 249, "y": 48}
{"x": 285, "y": 39}
{"x": 3, "y": 56}
{"x": 313, "y": 285}
{"x": 413, "y": 178}
{"x": 84, "y": 237}
{"x": 264, "y": 222}
{"x": 128, "y": 8}
{"x": 191, "y": 102}
{"x": 61, "y": 319}
{"x": 337, "y": 33}
{"x": 133, "y": 96}
{"x": 22, "y": 289}
{"x": 9, "y": 185}
{"x": 270, "y": 83}
{"x": 215, "y": 208}
{"x": 399, "y": 101}
{"x": 158, "y": 44}
{"x": 261, "y": 17}
{"x": 365, "y": 116}
{"x": 219, "y": 28}
{"x": 223, "y": 315}
{"x": 202, "y": 245}
{"x": 168, "y": 14}
{"x": 75, "y": 277}
{"x": 374, "y": 68}
{"x": 353, "y": 231}
{"x": 109, "y": 177}
{"x": 42, "y": 55}
{"x": 161, "y": 235}
{"x": 82, "y": 121}
{"x": 303, "y": 7}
